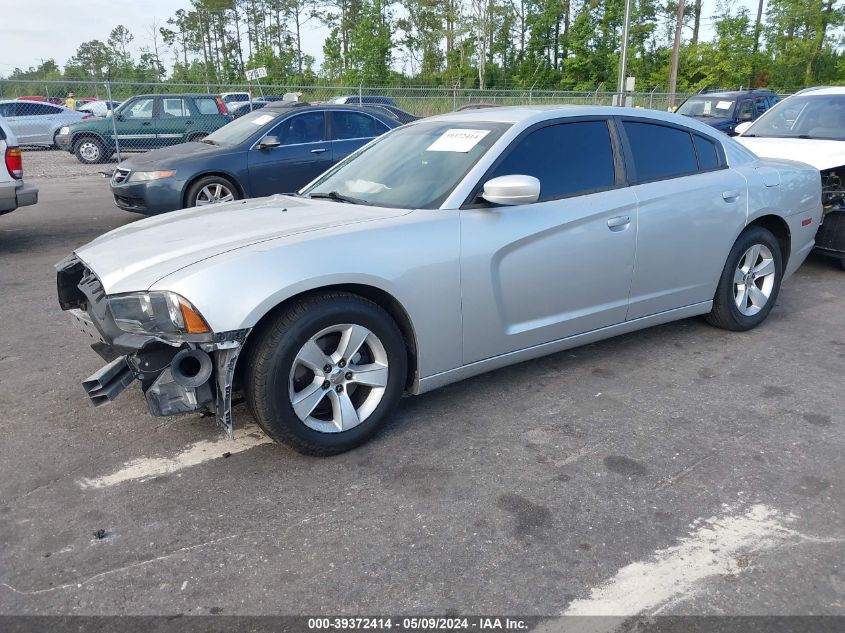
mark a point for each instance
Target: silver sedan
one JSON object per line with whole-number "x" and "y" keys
{"x": 446, "y": 248}
{"x": 37, "y": 122}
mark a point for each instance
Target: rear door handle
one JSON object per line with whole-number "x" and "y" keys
{"x": 619, "y": 222}
{"x": 318, "y": 151}
{"x": 730, "y": 196}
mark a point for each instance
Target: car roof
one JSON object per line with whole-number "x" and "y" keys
{"x": 734, "y": 93}
{"x": 822, "y": 91}
{"x": 178, "y": 94}
{"x": 528, "y": 115}
{"x": 29, "y": 101}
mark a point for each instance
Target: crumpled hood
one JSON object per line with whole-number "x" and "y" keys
{"x": 820, "y": 154}
{"x": 133, "y": 257}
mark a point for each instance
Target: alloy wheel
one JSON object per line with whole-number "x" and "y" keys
{"x": 338, "y": 378}
{"x": 754, "y": 279}
{"x": 214, "y": 194}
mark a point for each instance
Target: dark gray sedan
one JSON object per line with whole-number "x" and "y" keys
{"x": 277, "y": 149}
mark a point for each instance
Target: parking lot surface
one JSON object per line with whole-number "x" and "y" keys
{"x": 679, "y": 470}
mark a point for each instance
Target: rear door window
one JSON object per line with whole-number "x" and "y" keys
{"x": 708, "y": 155}
{"x": 171, "y": 107}
{"x": 659, "y": 151}
{"x": 567, "y": 158}
{"x": 349, "y": 125}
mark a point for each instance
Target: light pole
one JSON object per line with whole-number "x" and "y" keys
{"x": 623, "y": 58}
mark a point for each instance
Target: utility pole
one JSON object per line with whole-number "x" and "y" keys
{"x": 676, "y": 52}
{"x": 623, "y": 57}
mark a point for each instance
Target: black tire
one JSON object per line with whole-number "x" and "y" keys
{"x": 55, "y": 144}
{"x": 90, "y": 150}
{"x": 726, "y": 313}
{"x": 270, "y": 360}
{"x": 206, "y": 181}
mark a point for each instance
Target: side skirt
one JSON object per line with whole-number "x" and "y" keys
{"x": 489, "y": 364}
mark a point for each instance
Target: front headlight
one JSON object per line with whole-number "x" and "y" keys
{"x": 143, "y": 176}
{"x": 65, "y": 130}
{"x": 156, "y": 313}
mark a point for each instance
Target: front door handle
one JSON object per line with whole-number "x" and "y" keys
{"x": 189, "y": 122}
{"x": 619, "y": 222}
{"x": 318, "y": 151}
{"x": 147, "y": 123}
{"x": 730, "y": 196}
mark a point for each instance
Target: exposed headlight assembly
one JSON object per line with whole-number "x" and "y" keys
{"x": 156, "y": 313}
{"x": 144, "y": 176}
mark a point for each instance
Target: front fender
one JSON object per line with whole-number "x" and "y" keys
{"x": 414, "y": 259}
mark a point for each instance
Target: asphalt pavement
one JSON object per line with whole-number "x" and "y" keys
{"x": 678, "y": 470}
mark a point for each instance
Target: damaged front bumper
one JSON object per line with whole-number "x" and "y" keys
{"x": 177, "y": 374}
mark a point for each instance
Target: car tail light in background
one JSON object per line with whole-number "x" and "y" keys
{"x": 221, "y": 106}
{"x": 14, "y": 162}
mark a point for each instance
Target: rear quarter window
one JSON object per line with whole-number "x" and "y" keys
{"x": 659, "y": 151}
{"x": 206, "y": 106}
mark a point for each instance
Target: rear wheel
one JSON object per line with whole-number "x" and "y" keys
{"x": 211, "y": 190}
{"x": 90, "y": 150}
{"x": 326, "y": 374}
{"x": 750, "y": 282}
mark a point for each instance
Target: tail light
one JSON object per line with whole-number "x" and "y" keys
{"x": 14, "y": 162}
{"x": 221, "y": 106}
{"x": 88, "y": 116}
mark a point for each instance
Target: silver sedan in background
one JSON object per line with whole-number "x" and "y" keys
{"x": 37, "y": 122}
{"x": 446, "y": 248}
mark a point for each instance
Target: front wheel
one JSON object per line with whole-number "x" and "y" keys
{"x": 750, "y": 282}
{"x": 324, "y": 375}
{"x": 90, "y": 150}
{"x": 211, "y": 190}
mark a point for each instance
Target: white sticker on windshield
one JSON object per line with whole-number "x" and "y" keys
{"x": 457, "y": 140}
{"x": 724, "y": 105}
{"x": 707, "y": 106}
{"x": 261, "y": 120}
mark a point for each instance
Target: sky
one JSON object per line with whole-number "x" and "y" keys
{"x": 32, "y": 30}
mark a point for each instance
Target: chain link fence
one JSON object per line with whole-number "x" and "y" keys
{"x": 144, "y": 124}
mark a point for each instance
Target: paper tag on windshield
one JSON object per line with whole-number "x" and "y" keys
{"x": 707, "y": 106}
{"x": 724, "y": 105}
{"x": 457, "y": 140}
{"x": 261, "y": 120}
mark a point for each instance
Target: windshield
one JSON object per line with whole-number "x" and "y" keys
{"x": 413, "y": 167}
{"x": 819, "y": 116}
{"x": 242, "y": 128}
{"x": 718, "y": 107}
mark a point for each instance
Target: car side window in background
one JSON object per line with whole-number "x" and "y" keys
{"x": 346, "y": 125}
{"x": 762, "y": 105}
{"x": 207, "y": 106}
{"x": 8, "y": 109}
{"x": 708, "y": 156}
{"x": 659, "y": 151}
{"x": 174, "y": 107}
{"x": 567, "y": 159}
{"x": 141, "y": 109}
{"x": 746, "y": 111}
{"x": 308, "y": 127}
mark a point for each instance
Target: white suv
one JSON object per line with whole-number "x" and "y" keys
{"x": 13, "y": 192}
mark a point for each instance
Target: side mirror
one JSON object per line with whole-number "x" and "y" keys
{"x": 742, "y": 127}
{"x": 269, "y": 142}
{"x": 512, "y": 190}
